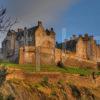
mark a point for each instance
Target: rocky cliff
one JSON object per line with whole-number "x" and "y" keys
{"x": 22, "y": 90}
{"x": 48, "y": 86}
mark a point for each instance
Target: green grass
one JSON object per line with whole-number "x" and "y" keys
{"x": 77, "y": 70}
{"x": 24, "y": 67}
{"x": 30, "y": 68}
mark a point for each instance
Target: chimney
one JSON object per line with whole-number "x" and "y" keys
{"x": 52, "y": 30}
{"x": 80, "y": 36}
{"x": 74, "y": 36}
{"x": 25, "y": 28}
{"x": 86, "y": 35}
{"x": 20, "y": 30}
{"x": 92, "y": 37}
{"x": 65, "y": 40}
{"x": 39, "y": 23}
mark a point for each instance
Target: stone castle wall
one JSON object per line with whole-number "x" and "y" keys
{"x": 40, "y": 55}
{"x": 98, "y": 53}
{"x": 27, "y": 55}
{"x": 71, "y": 59}
{"x": 81, "y": 49}
{"x": 87, "y": 50}
{"x": 51, "y": 56}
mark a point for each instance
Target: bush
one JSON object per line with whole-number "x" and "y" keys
{"x": 1, "y": 96}
{"x": 53, "y": 93}
{"x": 44, "y": 82}
{"x": 75, "y": 92}
{"x": 60, "y": 64}
{"x": 98, "y": 64}
{"x": 3, "y": 74}
{"x": 10, "y": 97}
{"x": 60, "y": 81}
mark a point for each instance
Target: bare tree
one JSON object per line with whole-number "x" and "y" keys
{"x": 5, "y": 22}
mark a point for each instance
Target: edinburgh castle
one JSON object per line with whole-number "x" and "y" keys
{"x": 38, "y": 46}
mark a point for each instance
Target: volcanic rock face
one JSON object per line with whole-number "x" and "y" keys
{"x": 63, "y": 87}
{"x": 22, "y": 90}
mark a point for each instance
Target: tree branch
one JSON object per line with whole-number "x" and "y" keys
{"x": 6, "y": 22}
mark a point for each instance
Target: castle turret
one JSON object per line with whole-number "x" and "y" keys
{"x": 86, "y": 37}
{"x": 52, "y": 30}
{"x": 39, "y": 23}
{"x": 19, "y": 29}
{"x": 25, "y": 36}
{"x": 81, "y": 49}
{"x": 74, "y": 37}
{"x": 52, "y": 33}
{"x": 39, "y": 34}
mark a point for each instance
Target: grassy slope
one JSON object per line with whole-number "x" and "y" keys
{"x": 30, "y": 68}
{"x": 44, "y": 90}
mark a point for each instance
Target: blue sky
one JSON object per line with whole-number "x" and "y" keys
{"x": 66, "y": 16}
{"x": 83, "y": 17}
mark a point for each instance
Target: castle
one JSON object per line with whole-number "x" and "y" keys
{"x": 37, "y": 45}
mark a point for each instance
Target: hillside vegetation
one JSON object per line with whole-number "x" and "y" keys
{"x": 71, "y": 84}
{"x": 29, "y": 68}
{"x": 22, "y": 90}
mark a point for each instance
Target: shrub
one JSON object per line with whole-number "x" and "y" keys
{"x": 64, "y": 95}
{"x": 60, "y": 64}
{"x": 10, "y": 97}
{"x": 60, "y": 81}
{"x": 75, "y": 92}
{"x": 98, "y": 65}
{"x": 53, "y": 93}
{"x": 1, "y": 96}
{"x": 44, "y": 82}
{"x": 82, "y": 75}
{"x": 3, "y": 74}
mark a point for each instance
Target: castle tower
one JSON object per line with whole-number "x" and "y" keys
{"x": 11, "y": 35}
{"x": 98, "y": 53}
{"x": 94, "y": 50}
{"x": 25, "y": 36}
{"x": 80, "y": 49}
{"x": 39, "y": 34}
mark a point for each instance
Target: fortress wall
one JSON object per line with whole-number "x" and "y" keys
{"x": 57, "y": 55}
{"x": 94, "y": 51}
{"x": 81, "y": 49}
{"x": 89, "y": 51}
{"x": 47, "y": 56}
{"x": 98, "y": 53}
{"x": 80, "y": 63}
{"x": 71, "y": 60}
{"x": 32, "y": 55}
{"x": 27, "y": 55}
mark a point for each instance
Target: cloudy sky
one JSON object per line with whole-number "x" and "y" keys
{"x": 66, "y": 16}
